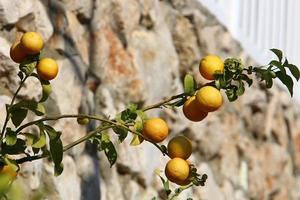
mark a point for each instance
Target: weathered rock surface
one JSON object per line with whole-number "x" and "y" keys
{"x": 139, "y": 51}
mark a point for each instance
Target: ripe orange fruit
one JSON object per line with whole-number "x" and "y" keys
{"x": 209, "y": 98}
{"x": 192, "y": 110}
{"x": 47, "y": 68}
{"x": 180, "y": 147}
{"x": 177, "y": 170}
{"x": 17, "y": 53}
{"x": 32, "y": 42}
{"x": 209, "y": 65}
{"x": 155, "y": 130}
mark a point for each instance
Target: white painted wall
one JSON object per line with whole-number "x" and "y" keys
{"x": 260, "y": 25}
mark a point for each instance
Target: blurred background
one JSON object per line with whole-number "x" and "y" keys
{"x": 112, "y": 52}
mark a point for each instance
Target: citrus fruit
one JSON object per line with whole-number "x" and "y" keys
{"x": 192, "y": 110}
{"x": 180, "y": 146}
{"x": 9, "y": 170}
{"x": 17, "y": 53}
{"x": 155, "y": 130}
{"x": 32, "y": 42}
{"x": 83, "y": 120}
{"x": 209, "y": 98}
{"x": 47, "y": 68}
{"x": 177, "y": 170}
{"x": 209, "y": 65}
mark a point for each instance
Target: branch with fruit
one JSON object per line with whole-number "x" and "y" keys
{"x": 196, "y": 102}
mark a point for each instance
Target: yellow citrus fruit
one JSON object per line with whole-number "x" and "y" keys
{"x": 32, "y": 42}
{"x": 83, "y": 120}
{"x": 209, "y": 65}
{"x": 192, "y": 110}
{"x": 209, "y": 98}
{"x": 177, "y": 170}
{"x": 17, "y": 53}
{"x": 180, "y": 147}
{"x": 47, "y": 69}
{"x": 155, "y": 130}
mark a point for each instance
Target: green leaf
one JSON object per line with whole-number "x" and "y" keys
{"x": 286, "y": 80}
{"x": 231, "y": 93}
{"x": 278, "y": 53}
{"x": 245, "y": 78}
{"x": 40, "y": 141}
{"x": 109, "y": 149}
{"x": 278, "y": 65}
{"x": 58, "y": 169}
{"x": 10, "y": 137}
{"x": 30, "y": 138}
{"x": 142, "y": 115}
{"x": 56, "y": 148}
{"x": 18, "y": 115}
{"x": 269, "y": 82}
{"x": 132, "y": 107}
{"x": 35, "y": 107}
{"x": 241, "y": 88}
{"x": 136, "y": 140}
{"x": 128, "y": 115}
{"x": 189, "y": 84}
{"x": 46, "y": 90}
{"x": 121, "y": 132}
{"x": 294, "y": 70}
{"x": 28, "y": 66}
{"x": 18, "y": 148}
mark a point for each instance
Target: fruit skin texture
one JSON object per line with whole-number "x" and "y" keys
{"x": 177, "y": 170}
{"x": 32, "y": 42}
{"x": 180, "y": 147}
{"x": 47, "y": 68}
{"x": 192, "y": 110}
{"x": 209, "y": 98}
{"x": 17, "y": 53}
{"x": 209, "y": 65}
{"x": 155, "y": 130}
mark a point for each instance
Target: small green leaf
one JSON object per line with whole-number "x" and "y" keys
{"x": 189, "y": 84}
{"x": 128, "y": 115}
{"x": 294, "y": 70}
{"x": 109, "y": 149}
{"x": 30, "y": 138}
{"x": 136, "y": 140}
{"x": 231, "y": 93}
{"x": 40, "y": 141}
{"x": 286, "y": 80}
{"x": 121, "y": 132}
{"x": 28, "y": 66}
{"x": 10, "y": 137}
{"x": 278, "y": 53}
{"x": 132, "y": 107}
{"x": 241, "y": 88}
{"x": 248, "y": 80}
{"x": 278, "y": 65}
{"x": 35, "y": 107}
{"x": 18, "y": 115}
{"x": 142, "y": 115}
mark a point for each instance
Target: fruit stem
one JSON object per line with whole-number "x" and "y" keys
{"x": 67, "y": 147}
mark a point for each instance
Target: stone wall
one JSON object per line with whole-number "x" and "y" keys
{"x": 139, "y": 50}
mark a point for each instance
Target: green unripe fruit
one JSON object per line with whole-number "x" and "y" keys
{"x": 83, "y": 120}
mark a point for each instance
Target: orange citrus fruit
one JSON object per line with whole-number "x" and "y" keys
{"x": 209, "y": 98}
{"x": 180, "y": 147}
{"x": 32, "y": 42}
{"x": 155, "y": 130}
{"x": 209, "y": 65}
{"x": 17, "y": 53}
{"x": 192, "y": 110}
{"x": 177, "y": 170}
{"x": 47, "y": 68}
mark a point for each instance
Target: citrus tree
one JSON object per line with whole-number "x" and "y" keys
{"x": 196, "y": 102}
